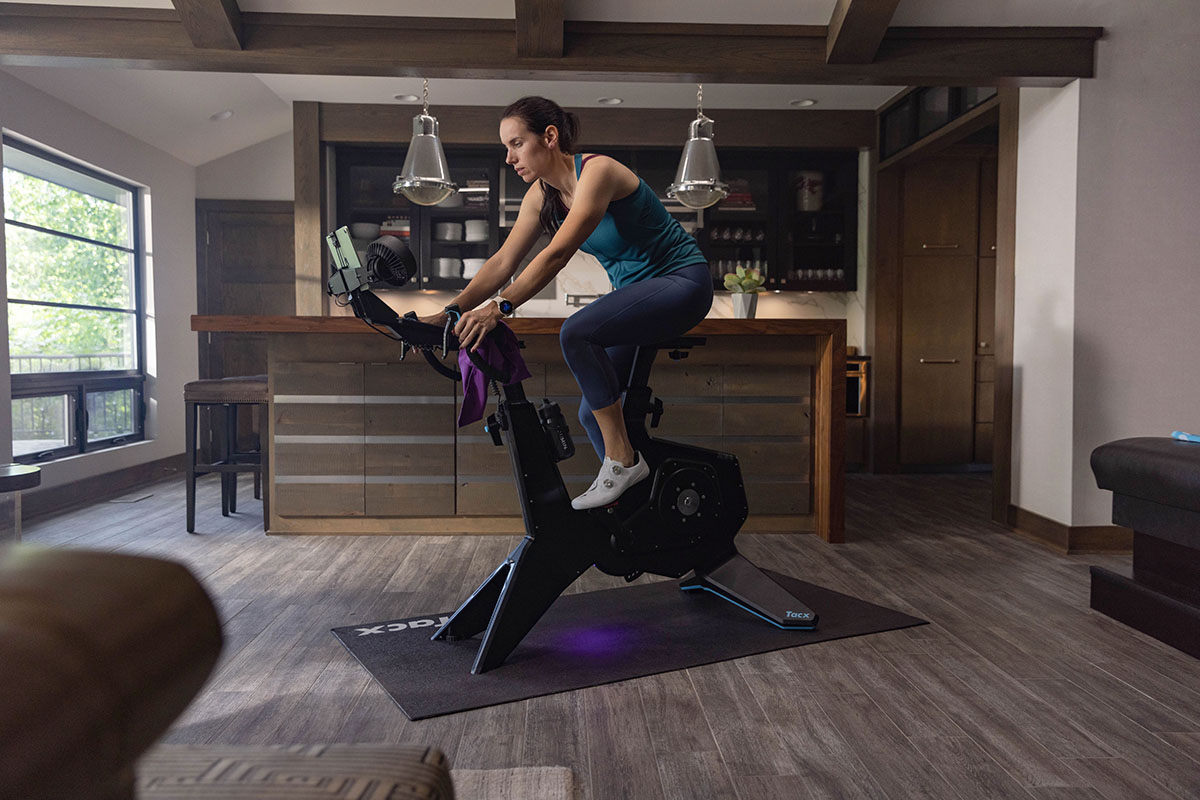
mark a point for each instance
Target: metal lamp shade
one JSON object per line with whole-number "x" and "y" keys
{"x": 698, "y": 180}
{"x": 425, "y": 179}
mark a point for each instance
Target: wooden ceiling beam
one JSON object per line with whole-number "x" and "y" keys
{"x": 215, "y": 24}
{"x": 856, "y": 29}
{"x": 318, "y": 44}
{"x": 539, "y": 28}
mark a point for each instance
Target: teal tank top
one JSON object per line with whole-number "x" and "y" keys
{"x": 637, "y": 239}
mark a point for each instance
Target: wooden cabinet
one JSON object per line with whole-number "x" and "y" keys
{"x": 317, "y": 439}
{"x": 937, "y": 359}
{"x": 947, "y": 308}
{"x": 940, "y": 207}
{"x": 409, "y": 441}
{"x": 445, "y": 248}
{"x": 793, "y": 214}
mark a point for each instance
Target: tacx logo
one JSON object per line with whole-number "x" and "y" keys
{"x": 798, "y": 614}
{"x": 396, "y": 627}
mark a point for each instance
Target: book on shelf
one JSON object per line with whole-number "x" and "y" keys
{"x": 477, "y": 193}
{"x": 740, "y": 197}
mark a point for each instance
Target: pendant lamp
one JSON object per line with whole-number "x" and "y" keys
{"x": 698, "y": 180}
{"x": 425, "y": 178}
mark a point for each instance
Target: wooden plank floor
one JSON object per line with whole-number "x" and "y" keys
{"x": 1016, "y": 689}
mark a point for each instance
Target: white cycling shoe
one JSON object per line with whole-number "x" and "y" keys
{"x": 611, "y": 483}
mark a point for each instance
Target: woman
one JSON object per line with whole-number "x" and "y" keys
{"x": 661, "y": 283}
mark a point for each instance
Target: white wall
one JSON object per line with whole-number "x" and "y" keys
{"x": 264, "y": 171}
{"x": 1116, "y": 276}
{"x": 1137, "y": 273}
{"x": 1044, "y": 322}
{"x": 35, "y": 115}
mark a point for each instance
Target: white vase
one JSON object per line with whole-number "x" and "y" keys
{"x": 744, "y": 304}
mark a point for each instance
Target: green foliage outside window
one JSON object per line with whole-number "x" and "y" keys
{"x": 47, "y": 268}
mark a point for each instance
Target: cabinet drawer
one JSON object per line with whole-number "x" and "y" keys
{"x": 779, "y": 497}
{"x": 487, "y": 498}
{"x": 318, "y": 378}
{"x": 399, "y": 499}
{"x": 319, "y": 499}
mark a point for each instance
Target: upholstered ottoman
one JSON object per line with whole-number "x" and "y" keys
{"x": 1156, "y": 491}
{"x": 311, "y": 772}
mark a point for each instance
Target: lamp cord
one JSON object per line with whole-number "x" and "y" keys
{"x": 700, "y": 103}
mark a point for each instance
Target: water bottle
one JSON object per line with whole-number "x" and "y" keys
{"x": 557, "y": 432}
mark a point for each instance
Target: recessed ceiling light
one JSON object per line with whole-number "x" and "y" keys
{"x": 407, "y": 98}
{"x": 220, "y": 115}
{"x": 610, "y": 101}
{"x": 805, "y": 103}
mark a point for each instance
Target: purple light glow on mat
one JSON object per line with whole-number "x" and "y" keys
{"x": 597, "y": 641}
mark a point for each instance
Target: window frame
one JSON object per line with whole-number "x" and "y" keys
{"x": 80, "y": 383}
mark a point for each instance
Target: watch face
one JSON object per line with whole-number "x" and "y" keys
{"x": 506, "y": 307}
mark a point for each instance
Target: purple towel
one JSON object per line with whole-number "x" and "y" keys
{"x": 499, "y": 350}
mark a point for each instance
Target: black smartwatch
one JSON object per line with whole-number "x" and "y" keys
{"x": 506, "y": 306}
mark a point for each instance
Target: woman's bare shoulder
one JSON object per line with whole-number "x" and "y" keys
{"x": 612, "y": 170}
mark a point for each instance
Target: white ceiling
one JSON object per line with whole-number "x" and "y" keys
{"x": 170, "y": 110}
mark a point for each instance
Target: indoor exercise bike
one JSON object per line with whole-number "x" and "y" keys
{"x": 678, "y": 522}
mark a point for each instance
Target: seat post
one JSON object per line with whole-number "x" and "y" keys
{"x": 643, "y": 361}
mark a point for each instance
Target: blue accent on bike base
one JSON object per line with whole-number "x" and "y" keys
{"x": 751, "y": 610}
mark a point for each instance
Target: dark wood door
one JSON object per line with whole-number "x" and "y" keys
{"x": 937, "y": 332}
{"x": 941, "y": 207}
{"x": 245, "y": 260}
{"x": 244, "y": 264}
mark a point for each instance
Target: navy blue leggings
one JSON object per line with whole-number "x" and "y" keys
{"x": 600, "y": 340}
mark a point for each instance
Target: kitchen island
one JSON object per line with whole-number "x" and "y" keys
{"x": 362, "y": 442}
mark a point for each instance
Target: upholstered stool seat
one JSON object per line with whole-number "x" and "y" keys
{"x": 249, "y": 389}
{"x": 231, "y": 394}
{"x": 296, "y": 772}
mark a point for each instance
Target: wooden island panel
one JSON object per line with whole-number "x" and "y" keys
{"x": 409, "y": 442}
{"x": 304, "y": 395}
{"x": 364, "y": 443}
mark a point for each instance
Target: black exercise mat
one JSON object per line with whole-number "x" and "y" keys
{"x": 594, "y": 638}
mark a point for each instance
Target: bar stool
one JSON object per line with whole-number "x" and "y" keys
{"x": 231, "y": 393}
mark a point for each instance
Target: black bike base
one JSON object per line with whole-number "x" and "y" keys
{"x": 749, "y": 588}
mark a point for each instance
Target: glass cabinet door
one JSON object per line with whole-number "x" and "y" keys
{"x": 461, "y": 231}
{"x": 738, "y": 231}
{"x": 819, "y": 215}
{"x": 450, "y": 240}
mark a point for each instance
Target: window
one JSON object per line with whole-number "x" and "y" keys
{"x": 72, "y": 252}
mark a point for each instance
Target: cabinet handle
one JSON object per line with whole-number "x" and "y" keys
{"x": 939, "y": 360}
{"x": 939, "y": 246}
{"x": 993, "y": 248}
{"x": 983, "y": 344}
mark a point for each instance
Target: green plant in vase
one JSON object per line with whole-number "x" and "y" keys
{"x": 745, "y": 284}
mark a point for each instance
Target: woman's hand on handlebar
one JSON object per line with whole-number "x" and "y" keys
{"x": 476, "y": 324}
